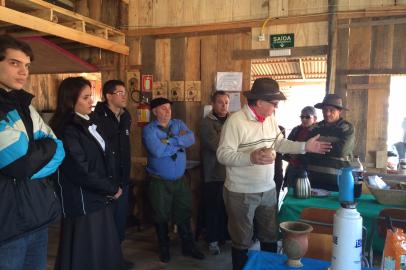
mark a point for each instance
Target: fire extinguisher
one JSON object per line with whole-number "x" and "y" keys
{"x": 143, "y": 112}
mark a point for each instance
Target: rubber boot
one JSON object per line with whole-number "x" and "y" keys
{"x": 188, "y": 244}
{"x": 239, "y": 258}
{"x": 163, "y": 240}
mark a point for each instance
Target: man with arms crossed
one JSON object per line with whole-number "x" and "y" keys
{"x": 29, "y": 152}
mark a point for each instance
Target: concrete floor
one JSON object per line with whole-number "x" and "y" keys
{"x": 141, "y": 248}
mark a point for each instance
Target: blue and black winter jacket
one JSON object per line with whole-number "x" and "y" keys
{"x": 29, "y": 152}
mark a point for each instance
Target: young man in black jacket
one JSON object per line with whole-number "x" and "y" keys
{"x": 115, "y": 123}
{"x": 29, "y": 152}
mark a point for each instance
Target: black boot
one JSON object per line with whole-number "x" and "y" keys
{"x": 239, "y": 258}
{"x": 188, "y": 244}
{"x": 269, "y": 246}
{"x": 163, "y": 239}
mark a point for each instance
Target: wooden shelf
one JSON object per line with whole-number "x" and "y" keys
{"x": 46, "y": 18}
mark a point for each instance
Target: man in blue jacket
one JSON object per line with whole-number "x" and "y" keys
{"x": 166, "y": 141}
{"x": 29, "y": 152}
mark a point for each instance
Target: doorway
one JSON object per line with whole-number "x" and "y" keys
{"x": 299, "y": 95}
{"x": 396, "y": 114}
{"x": 301, "y": 79}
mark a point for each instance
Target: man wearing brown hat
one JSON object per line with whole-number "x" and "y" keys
{"x": 323, "y": 169}
{"x": 247, "y": 148}
{"x": 166, "y": 141}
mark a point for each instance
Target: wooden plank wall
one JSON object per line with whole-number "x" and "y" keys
{"x": 44, "y": 87}
{"x": 195, "y": 58}
{"x": 371, "y": 48}
{"x": 191, "y": 58}
{"x": 153, "y": 13}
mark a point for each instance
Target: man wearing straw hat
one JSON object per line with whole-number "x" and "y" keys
{"x": 323, "y": 169}
{"x": 247, "y": 148}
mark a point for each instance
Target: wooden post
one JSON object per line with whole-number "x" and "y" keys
{"x": 95, "y": 9}
{"x": 82, "y": 7}
{"x": 332, "y": 47}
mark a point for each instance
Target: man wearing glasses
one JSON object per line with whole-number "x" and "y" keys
{"x": 299, "y": 133}
{"x": 115, "y": 124}
{"x": 248, "y": 142}
{"x": 323, "y": 170}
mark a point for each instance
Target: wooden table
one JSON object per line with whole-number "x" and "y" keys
{"x": 367, "y": 206}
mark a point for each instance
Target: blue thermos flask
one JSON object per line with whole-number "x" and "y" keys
{"x": 345, "y": 181}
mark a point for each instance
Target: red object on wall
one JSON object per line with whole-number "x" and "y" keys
{"x": 146, "y": 83}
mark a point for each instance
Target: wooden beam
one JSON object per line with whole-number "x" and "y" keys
{"x": 46, "y": 14}
{"x": 73, "y": 15}
{"x": 365, "y": 86}
{"x": 27, "y": 33}
{"x": 31, "y": 22}
{"x": 295, "y": 52}
{"x": 332, "y": 47}
{"x": 77, "y": 25}
{"x": 224, "y": 26}
{"x": 371, "y": 13}
{"x": 372, "y": 72}
{"x": 398, "y": 20}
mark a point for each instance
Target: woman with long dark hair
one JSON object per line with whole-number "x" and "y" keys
{"x": 89, "y": 238}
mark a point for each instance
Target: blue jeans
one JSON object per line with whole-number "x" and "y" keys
{"x": 121, "y": 212}
{"x": 26, "y": 253}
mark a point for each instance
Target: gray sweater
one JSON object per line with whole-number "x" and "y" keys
{"x": 210, "y": 131}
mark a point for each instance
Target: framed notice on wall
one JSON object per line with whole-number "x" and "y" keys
{"x": 235, "y": 101}
{"x": 229, "y": 81}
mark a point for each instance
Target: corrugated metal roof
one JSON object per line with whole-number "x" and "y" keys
{"x": 305, "y": 68}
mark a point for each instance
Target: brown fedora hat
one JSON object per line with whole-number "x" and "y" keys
{"x": 265, "y": 89}
{"x": 331, "y": 100}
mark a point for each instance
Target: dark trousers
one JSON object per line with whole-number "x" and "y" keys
{"x": 170, "y": 200}
{"x": 215, "y": 212}
{"x": 121, "y": 212}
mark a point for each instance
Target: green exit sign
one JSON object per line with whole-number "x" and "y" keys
{"x": 282, "y": 41}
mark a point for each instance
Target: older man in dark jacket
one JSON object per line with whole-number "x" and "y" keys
{"x": 323, "y": 169}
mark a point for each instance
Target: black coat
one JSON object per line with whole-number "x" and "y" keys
{"x": 26, "y": 204}
{"x": 85, "y": 179}
{"x": 117, "y": 136}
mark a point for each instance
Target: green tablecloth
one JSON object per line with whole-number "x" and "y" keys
{"x": 367, "y": 206}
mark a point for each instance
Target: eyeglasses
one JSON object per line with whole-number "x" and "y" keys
{"x": 119, "y": 93}
{"x": 305, "y": 117}
{"x": 275, "y": 104}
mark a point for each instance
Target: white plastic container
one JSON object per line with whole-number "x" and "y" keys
{"x": 347, "y": 240}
